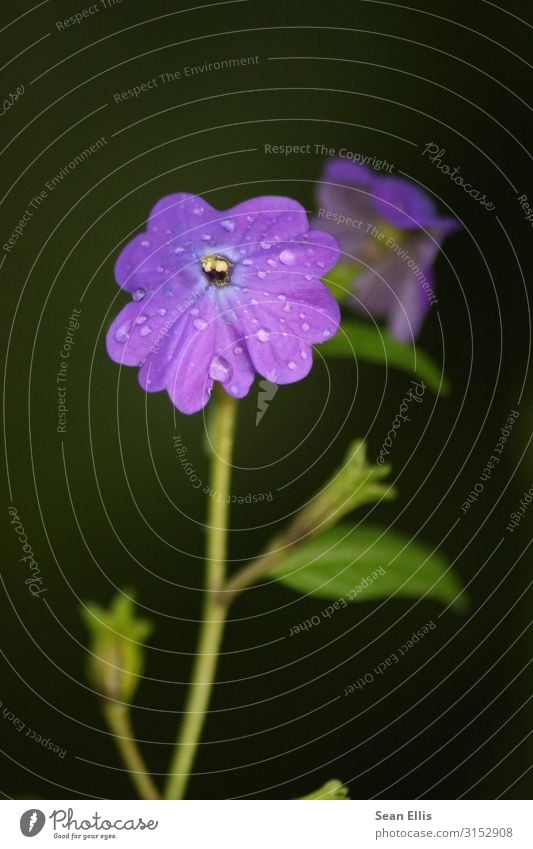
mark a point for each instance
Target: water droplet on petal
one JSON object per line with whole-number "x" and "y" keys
{"x": 326, "y": 334}
{"x": 271, "y": 263}
{"x": 249, "y": 218}
{"x": 145, "y": 243}
{"x": 145, "y": 330}
{"x": 228, "y": 224}
{"x": 263, "y": 334}
{"x": 291, "y": 364}
{"x": 303, "y": 355}
{"x": 160, "y": 269}
{"x": 287, "y": 257}
{"x": 261, "y": 275}
{"x": 138, "y": 294}
{"x": 265, "y": 245}
{"x": 179, "y": 250}
{"x": 247, "y": 262}
{"x": 219, "y": 369}
{"x": 162, "y": 311}
{"x": 141, "y": 319}
{"x": 282, "y": 297}
{"x": 308, "y": 276}
{"x": 306, "y": 326}
{"x": 235, "y": 389}
{"x": 198, "y": 210}
{"x": 287, "y": 308}
{"x": 321, "y": 264}
{"x": 195, "y": 311}
{"x": 272, "y": 375}
{"x": 237, "y": 350}
{"x": 122, "y": 333}
{"x": 199, "y": 324}
{"x": 205, "y": 237}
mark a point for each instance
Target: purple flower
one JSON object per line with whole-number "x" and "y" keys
{"x": 392, "y": 229}
{"x": 222, "y": 295}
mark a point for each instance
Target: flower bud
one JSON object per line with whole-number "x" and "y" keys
{"x": 354, "y": 482}
{"x": 116, "y": 647}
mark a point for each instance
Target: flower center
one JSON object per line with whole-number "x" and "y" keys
{"x": 217, "y": 269}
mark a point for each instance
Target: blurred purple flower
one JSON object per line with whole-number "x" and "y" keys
{"x": 391, "y": 228}
{"x": 222, "y": 295}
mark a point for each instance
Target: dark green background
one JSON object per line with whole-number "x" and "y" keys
{"x": 452, "y": 719}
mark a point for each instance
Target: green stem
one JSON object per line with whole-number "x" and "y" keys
{"x": 215, "y": 610}
{"x": 117, "y": 716}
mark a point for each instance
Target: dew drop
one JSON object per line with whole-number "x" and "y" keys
{"x": 261, "y": 275}
{"x": 228, "y": 225}
{"x": 179, "y": 250}
{"x": 308, "y": 276}
{"x": 287, "y": 257}
{"x": 303, "y": 355}
{"x": 247, "y": 262}
{"x": 326, "y": 334}
{"x": 321, "y": 264}
{"x": 198, "y": 210}
{"x": 199, "y": 324}
{"x": 265, "y": 246}
{"x": 271, "y": 263}
{"x": 141, "y": 319}
{"x": 195, "y": 311}
{"x": 263, "y": 334}
{"x": 287, "y": 307}
{"x": 291, "y": 364}
{"x": 219, "y": 369}
{"x": 302, "y": 315}
{"x": 282, "y": 297}
{"x": 138, "y": 294}
{"x": 306, "y": 326}
{"x": 162, "y": 311}
{"x": 145, "y": 330}
{"x": 205, "y": 237}
{"x": 160, "y": 269}
{"x": 122, "y": 334}
{"x": 237, "y": 350}
{"x": 235, "y": 389}
{"x": 272, "y": 375}
{"x": 145, "y": 243}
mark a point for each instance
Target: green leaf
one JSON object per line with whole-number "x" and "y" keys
{"x": 357, "y": 340}
{"x": 369, "y": 563}
{"x": 332, "y": 790}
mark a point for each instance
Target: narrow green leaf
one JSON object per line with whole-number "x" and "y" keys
{"x": 332, "y": 790}
{"x": 357, "y": 340}
{"x": 369, "y": 563}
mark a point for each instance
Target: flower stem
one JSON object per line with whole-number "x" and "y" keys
{"x": 117, "y": 716}
{"x": 215, "y": 611}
